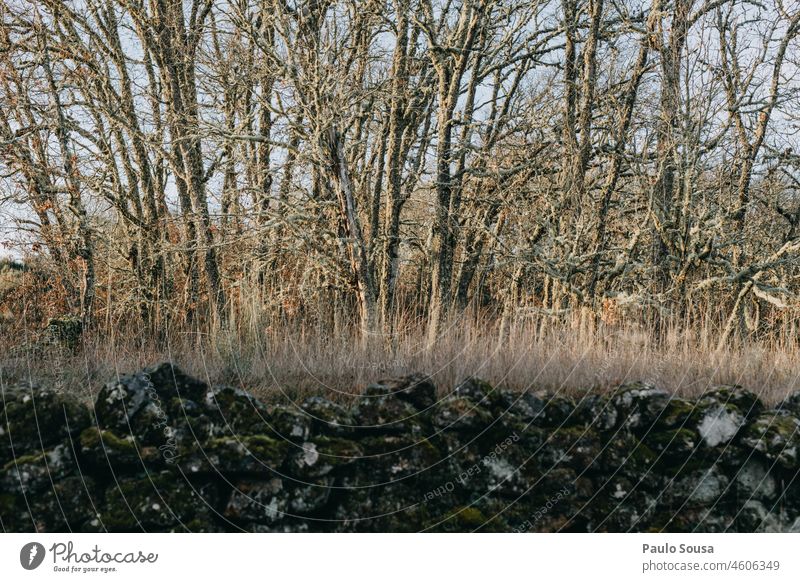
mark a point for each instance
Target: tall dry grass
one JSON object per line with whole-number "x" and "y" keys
{"x": 530, "y": 351}
{"x": 291, "y": 340}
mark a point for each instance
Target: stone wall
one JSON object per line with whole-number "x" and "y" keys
{"x": 161, "y": 451}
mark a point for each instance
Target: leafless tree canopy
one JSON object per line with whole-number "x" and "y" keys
{"x": 359, "y": 164}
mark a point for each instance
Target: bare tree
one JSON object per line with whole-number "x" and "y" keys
{"x": 374, "y": 166}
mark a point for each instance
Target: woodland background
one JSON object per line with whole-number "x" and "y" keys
{"x": 559, "y": 192}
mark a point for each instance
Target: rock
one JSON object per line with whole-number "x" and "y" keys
{"x": 775, "y": 435}
{"x": 260, "y": 502}
{"x": 622, "y": 510}
{"x": 311, "y": 498}
{"x": 791, "y": 403}
{"x": 626, "y": 456}
{"x": 500, "y": 471}
{"x": 391, "y": 458}
{"x": 105, "y": 451}
{"x": 161, "y": 501}
{"x": 674, "y": 446}
{"x": 319, "y": 457}
{"x": 284, "y": 526}
{"x": 597, "y": 412}
{"x": 66, "y": 505}
{"x": 692, "y": 520}
{"x": 416, "y": 389}
{"x": 190, "y": 425}
{"x": 477, "y": 391}
{"x": 512, "y": 470}
{"x": 639, "y": 405}
{"x": 462, "y": 414}
{"x": 790, "y": 495}
{"x": 465, "y": 519}
{"x": 754, "y": 481}
{"x": 678, "y": 413}
{"x": 37, "y": 471}
{"x": 395, "y": 406}
{"x": 528, "y": 407}
{"x": 578, "y": 448}
{"x": 393, "y": 507}
{"x": 558, "y": 411}
{"x": 328, "y": 417}
{"x": 33, "y": 418}
{"x": 245, "y": 456}
{"x": 290, "y": 423}
{"x": 745, "y": 401}
{"x": 719, "y": 423}
{"x": 45, "y": 492}
{"x": 755, "y": 517}
{"x": 698, "y": 488}
{"x": 170, "y": 382}
{"x": 234, "y": 411}
{"x": 132, "y": 406}
{"x": 385, "y": 414}
{"x": 555, "y": 511}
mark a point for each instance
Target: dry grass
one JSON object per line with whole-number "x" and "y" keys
{"x": 535, "y": 352}
{"x": 293, "y": 339}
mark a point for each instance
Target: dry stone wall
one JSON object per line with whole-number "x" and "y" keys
{"x": 161, "y": 451}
